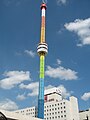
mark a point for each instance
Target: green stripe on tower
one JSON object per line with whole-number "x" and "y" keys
{"x": 42, "y": 66}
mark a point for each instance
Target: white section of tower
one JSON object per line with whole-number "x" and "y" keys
{"x": 43, "y": 12}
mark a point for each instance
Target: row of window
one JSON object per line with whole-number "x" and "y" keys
{"x": 54, "y": 105}
{"x": 30, "y": 113}
{"x": 54, "y": 109}
{"x": 55, "y": 117}
{"x": 28, "y": 110}
{"x": 59, "y": 112}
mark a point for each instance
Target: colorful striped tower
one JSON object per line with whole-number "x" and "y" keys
{"x": 42, "y": 50}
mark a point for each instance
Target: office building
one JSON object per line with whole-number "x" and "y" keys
{"x": 55, "y": 107}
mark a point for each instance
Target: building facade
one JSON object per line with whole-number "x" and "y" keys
{"x": 84, "y": 115}
{"x": 8, "y": 115}
{"x": 30, "y": 111}
{"x": 55, "y": 107}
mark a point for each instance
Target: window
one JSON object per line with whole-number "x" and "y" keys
{"x": 64, "y": 107}
{"x": 55, "y": 108}
{"x": 64, "y": 111}
{"x": 61, "y": 107}
{"x": 58, "y": 116}
{"x": 61, "y": 115}
{"x": 55, "y": 116}
{"x": 52, "y": 117}
{"x": 58, "y": 112}
{"x": 61, "y": 111}
{"x": 63, "y": 102}
{"x": 58, "y": 108}
{"x": 64, "y": 115}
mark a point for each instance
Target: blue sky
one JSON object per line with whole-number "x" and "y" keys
{"x": 67, "y": 63}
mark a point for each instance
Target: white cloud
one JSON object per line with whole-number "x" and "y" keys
{"x": 86, "y": 96}
{"x": 30, "y": 53}
{"x": 64, "y": 91}
{"x": 59, "y": 2}
{"x": 34, "y": 92}
{"x": 21, "y": 97}
{"x": 13, "y": 78}
{"x": 61, "y": 73}
{"x": 59, "y": 61}
{"x": 8, "y": 104}
{"x": 48, "y": 87}
{"x": 82, "y": 29}
{"x": 33, "y": 87}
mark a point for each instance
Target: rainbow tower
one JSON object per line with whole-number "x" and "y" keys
{"x": 42, "y": 50}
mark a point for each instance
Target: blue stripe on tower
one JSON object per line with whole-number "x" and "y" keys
{"x": 41, "y": 99}
{"x": 41, "y": 89}
{"x": 41, "y": 108}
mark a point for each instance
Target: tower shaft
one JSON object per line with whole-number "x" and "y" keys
{"x": 41, "y": 89}
{"x": 42, "y": 50}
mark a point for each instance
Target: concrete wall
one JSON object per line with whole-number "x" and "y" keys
{"x": 16, "y": 116}
{"x": 74, "y": 108}
{"x": 85, "y": 115}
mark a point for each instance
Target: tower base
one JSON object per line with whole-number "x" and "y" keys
{"x": 41, "y": 109}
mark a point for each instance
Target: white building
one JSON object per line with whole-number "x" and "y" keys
{"x": 84, "y": 115}
{"x": 7, "y": 115}
{"x": 55, "y": 107}
{"x": 30, "y": 111}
